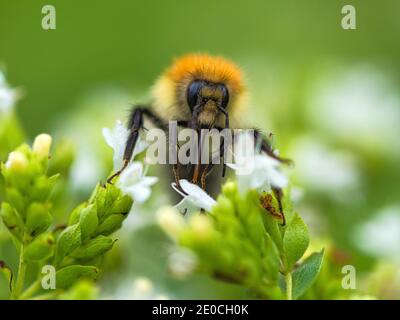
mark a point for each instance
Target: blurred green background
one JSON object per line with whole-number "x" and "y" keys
{"x": 330, "y": 96}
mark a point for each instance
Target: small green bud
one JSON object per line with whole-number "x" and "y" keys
{"x": 42, "y": 187}
{"x": 121, "y": 206}
{"x": 16, "y": 199}
{"x": 12, "y": 220}
{"x": 106, "y": 198}
{"x": 38, "y": 219}
{"x": 69, "y": 275}
{"x": 88, "y": 222}
{"x": 68, "y": 240}
{"x": 111, "y": 224}
{"x": 93, "y": 248}
{"x": 99, "y": 198}
{"x": 16, "y": 170}
{"x": 41, "y": 248}
{"x": 229, "y": 189}
{"x": 75, "y": 214}
{"x": 62, "y": 157}
{"x": 224, "y": 206}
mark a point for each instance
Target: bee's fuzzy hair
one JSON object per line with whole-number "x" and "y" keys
{"x": 169, "y": 91}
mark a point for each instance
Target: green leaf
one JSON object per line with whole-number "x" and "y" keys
{"x": 69, "y": 275}
{"x": 271, "y": 260}
{"x": 68, "y": 240}
{"x": 272, "y": 228}
{"x": 93, "y": 248}
{"x": 295, "y": 241}
{"x": 287, "y": 204}
{"x": 41, "y": 248}
{"x": 12, "y": 220}
{"x": 304, "y": 276}
{"x": 110, "y": 224}
{"x": 88, "y": 222}
{"x": 38, "y": 219}
{"x": 251, "y": 220}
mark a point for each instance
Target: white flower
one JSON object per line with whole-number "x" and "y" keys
{"x": 116, "y": 139}
{"x": 255, "y": 170}
{"x": 8, "y": 96}
{"x": 381, "y": 235}
{"x": 324, "y": 169}
{"x": 194, "y": 199}
{"x": 134, "y": 182}
{"x": 359, "y": 106}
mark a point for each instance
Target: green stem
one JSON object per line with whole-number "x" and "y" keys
{"x": 21, "y": 273}
{"x": 288, "y": 280}
{"x": 31, "y": 290}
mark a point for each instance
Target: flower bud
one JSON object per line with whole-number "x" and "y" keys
{"x": 38, "y": 219}
{"x": 110, "y": 224}
{"x": 170, "y": 221}
{"x": 41, "y": 145}
{"x": 11, "y": 220}
{"x": 229, "y": 189}
{"x": 88, "y": 221}
{"x": 93, "y": 248}
{"x": 201, "y": 226}
{"x": 17, "y": 161}
{"x": 41, "y": 248}
{"x": 67, "y": 276}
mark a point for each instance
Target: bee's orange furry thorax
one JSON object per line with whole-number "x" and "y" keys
{"x": 206, "y": 67}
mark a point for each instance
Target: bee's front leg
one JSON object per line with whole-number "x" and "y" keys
{"x": 134, "y": 125}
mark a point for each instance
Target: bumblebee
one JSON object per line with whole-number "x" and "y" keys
{"x": 198, "y": 91}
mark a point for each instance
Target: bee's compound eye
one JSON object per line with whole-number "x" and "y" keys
{"x": 225, "y": 96}
{"x": 193, "y": 92}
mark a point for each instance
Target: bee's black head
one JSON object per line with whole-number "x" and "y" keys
{"x": 203, "y": 93}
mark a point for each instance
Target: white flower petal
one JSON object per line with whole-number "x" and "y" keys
{"x": 133, "y": 182}
{"x": 149, "y": 181}
{"x": 197, "y": 195}
{"x": 256, "y": 171}
{"x": 186, "y": 206}
{"x": 139, "y": 192}
{"x": 116, "y": 139}
{"x": 194, "y": 199}
{"x": 131, "y": 174}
